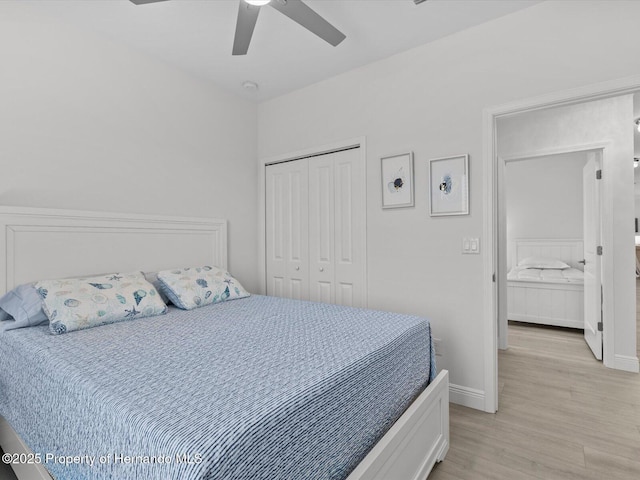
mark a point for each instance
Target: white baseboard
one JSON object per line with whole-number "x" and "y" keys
{"x": 628, "y": 364}
{"x": 467, "y": 397}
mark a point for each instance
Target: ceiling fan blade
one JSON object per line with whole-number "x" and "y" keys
{"x": 302, "y": 14}
{"x": 142, "y": 2}
{"x": 247, "y": 17}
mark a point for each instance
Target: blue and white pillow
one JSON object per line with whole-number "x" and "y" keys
{"x": 194, "y": 287}
{"x": 78, "y": 303}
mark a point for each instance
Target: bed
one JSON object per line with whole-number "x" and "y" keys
{"x": 257, "y": 387}
{"x": 549, "y": 296}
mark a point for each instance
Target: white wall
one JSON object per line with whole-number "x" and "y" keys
{"x": 88, "y": 124}
{"x": 544, "y": 198}
{"x": 430, "y": 100}
{"x": 599, "y": 122}
{"x": 636, "y": 154}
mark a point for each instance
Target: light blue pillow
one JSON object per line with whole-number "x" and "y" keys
{"x": 79, "y": 303}
{"x": 152, "y": 278}
{"x": 194, "y": 287}
{"x": 20, "y": 308}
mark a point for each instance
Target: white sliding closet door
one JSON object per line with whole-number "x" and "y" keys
{"x": 315, "y": 226}
{"x": 336, "y": 228}
{"x": 287, "y": 205}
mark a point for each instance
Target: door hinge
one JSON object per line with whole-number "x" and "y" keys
{"x": 601, "y": 308}
{"x": 599, "y": 250}
{"x": 493, "y": 278}
{"x": 598, "y": 174}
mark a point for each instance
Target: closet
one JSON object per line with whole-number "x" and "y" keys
{"x": 315, "y": 228}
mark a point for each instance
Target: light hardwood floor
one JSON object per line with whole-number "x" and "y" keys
{"x": 562, "y": 415}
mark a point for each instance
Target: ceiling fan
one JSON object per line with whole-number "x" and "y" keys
{"x": 296, "y": 10}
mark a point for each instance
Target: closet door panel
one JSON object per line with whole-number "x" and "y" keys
{"x": 298, "y": 219}
{"x": 276, "y": 222}
{"x": 344, "y": 295}
{"x": 287, "y": 230}
{"x": 349, "y": 226}
{"x": 323, "y": 292}
{"x": 321, "y": 228}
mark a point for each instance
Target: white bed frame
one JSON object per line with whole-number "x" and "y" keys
{"x": 560, "y": 304}
{"x": 41, "y": 243}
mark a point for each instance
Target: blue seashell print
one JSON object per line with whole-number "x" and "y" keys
{"x": 71, "y": 302}
{"x": 197, "y": 300}
{"x": 226, "y": 293}
{"x": 58, "y": 328}
{"x": 446, "y": 184}
{"x": 53, "y": 316}
{"x": 121, "y": 299}
{"x": 131, "y": 313}
{"x": 43, "y": 292}
{"x": 138, "y": 295}
{"x": 101, "y": 313}
{"x": 99, "y": 298}
{"x": 101, "y": 286}
{"x": 177, "y": 272}
{"x": 206, "y": 268}
{"x": 115, "y": 277}
{"x": 208, "y": 294}
{"x": 202, "y": 282}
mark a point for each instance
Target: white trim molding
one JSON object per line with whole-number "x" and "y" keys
{"x": 27, "y": 232}
{"x": 467, "y": 397}
{"x": 628, "y": 364}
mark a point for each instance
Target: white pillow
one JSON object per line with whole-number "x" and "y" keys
{"x": 542, "y": 262}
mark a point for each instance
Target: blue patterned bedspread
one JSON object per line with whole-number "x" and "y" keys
{"x": 257, "y": 388}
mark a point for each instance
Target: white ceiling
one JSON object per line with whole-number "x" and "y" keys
{"x": 197, "y": 35}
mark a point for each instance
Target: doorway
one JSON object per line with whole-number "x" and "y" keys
{"x": 567, "y": 122}
{"x": 552, "y": 226}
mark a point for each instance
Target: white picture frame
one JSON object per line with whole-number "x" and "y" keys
{"x": 449, "y": 186}
{"x": 397, "y": 180}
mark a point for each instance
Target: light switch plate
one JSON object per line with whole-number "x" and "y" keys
{"x": 471, "y": 245}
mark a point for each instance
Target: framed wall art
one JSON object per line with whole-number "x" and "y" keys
{"x": 449, "y": 186}
{"x": 397, "y": 180}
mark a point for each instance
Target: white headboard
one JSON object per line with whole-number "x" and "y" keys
{"x": 569, "y": 251}
{"x": 38, "y": 243}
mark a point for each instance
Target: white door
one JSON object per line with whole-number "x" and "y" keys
{"x": 337, "y": 228}
{"x": 321, "y": 229}
{"x": 350, "y": 214}
{"x": 287, "y": 230}
{"x": 592, "y": 281}
{"x": 315, "y": 229}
